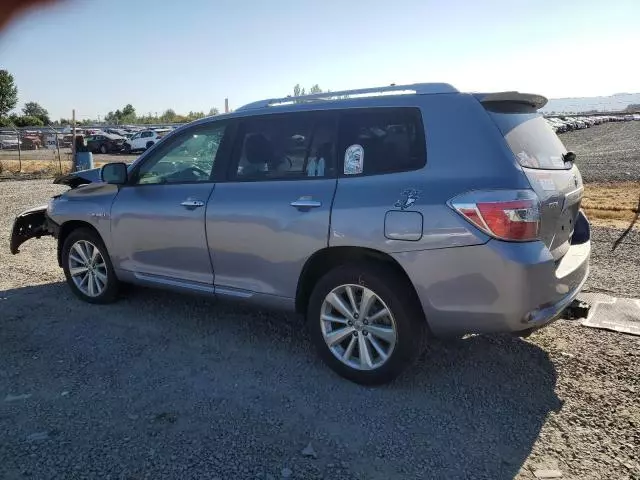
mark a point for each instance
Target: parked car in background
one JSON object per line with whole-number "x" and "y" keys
{"x": 9, "y": 142}
{"x": 31, "y": 142}
{"x": 116, "y": 131}
{"x": 142, "y": 140}
{"x": 105, "y": 143}
{"x": 273, "y": 205}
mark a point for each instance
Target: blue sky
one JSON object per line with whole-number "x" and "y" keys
{"x": 97, "y": 56}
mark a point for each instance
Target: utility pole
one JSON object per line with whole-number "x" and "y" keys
{"x": 74, "y": 166}
{"x": 226, "y": 105}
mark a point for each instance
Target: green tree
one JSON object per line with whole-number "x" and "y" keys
{"x": 129, "y": 111}
{"x": 298, "y": 91}
{"x": 213, "y": 111}
{"x": 315, "y": 89}
{"x": 33, "y": 109}
{"x": 168, "y": 116}
{"x": 27, "y": 121}
{"x": 128, "y": 114}
{"x": 8, "y": 93}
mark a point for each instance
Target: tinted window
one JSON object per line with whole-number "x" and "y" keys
{"x": 532, "y": 141}
{"x": 297, "y": 146}
{"x": 386, "y": 139}
{"x": 189, "y": 158}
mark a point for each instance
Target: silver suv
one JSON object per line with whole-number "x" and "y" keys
{"x": 386, "y": 216}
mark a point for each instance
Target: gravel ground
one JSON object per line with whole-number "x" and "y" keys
{"x": 615, "y": 272}
{"x": 607, "y": 152}
{"x": 166, "y": 386}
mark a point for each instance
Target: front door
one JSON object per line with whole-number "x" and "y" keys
{"x": 158, "y": 219}
{"x": 272, "y": 212}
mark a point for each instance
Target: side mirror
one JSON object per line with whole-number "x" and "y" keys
{"x": 115, "y": 173}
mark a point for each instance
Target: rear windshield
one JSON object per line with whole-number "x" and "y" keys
{"x": 532, "y": 141}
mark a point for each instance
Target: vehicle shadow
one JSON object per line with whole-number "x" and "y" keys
{"x": 468, "y": 409}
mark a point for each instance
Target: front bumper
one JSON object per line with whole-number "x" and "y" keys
{"x": 32, "y": 223}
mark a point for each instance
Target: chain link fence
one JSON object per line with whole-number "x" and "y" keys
{"x": 39, "y": 152}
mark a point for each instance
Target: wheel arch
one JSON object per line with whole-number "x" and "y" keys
{"x": 67, "y": 228}
{"x": 325, "y": 260}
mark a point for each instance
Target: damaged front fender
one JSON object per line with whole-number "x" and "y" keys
{"x": 32, "y": 223}
{"x": 77, "y": 179}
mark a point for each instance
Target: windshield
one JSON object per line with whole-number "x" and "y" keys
{"x": 532, "y": 140}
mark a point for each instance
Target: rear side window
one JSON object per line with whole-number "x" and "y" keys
{"x": 532, "y": 140}
{"x": 381, "y": 140}
{"x": 290, "y": 146}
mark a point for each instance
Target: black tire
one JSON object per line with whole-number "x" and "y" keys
{"x": 126, "y": 149}
{"x": 149, "y": 145}
{"x": 393, "y": 289}
{"x": 103, "y": 149}
{"x": 110, "y": 292}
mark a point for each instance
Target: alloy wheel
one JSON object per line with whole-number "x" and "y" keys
{"x": 358, "y": 327}
{"x": 88, "y": 268}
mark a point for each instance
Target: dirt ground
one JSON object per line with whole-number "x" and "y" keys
{"x": 160, "y": 385}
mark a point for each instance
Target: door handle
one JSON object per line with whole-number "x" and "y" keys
{"x": 306, "y": 202}
{"x": 190, "y": 203}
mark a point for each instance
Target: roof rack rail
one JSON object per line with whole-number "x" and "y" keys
{"x": 416, "y": 88}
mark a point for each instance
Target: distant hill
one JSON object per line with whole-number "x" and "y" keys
{"x": 616, "y": 102}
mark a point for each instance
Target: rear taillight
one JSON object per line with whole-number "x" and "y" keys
{"x": 512, "y": 215}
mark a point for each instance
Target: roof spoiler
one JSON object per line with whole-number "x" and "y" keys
{"x": 529, "y": 100}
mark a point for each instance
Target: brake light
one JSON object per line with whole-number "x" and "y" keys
{"x": 503, "y": 214}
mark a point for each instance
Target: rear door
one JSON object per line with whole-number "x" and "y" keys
{"x": 272, "y": 212}
{"x": 557, "y": 183}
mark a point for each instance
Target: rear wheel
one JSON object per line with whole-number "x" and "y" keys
{"x": 149, "y": 145}
{"x": 366, "y": 323}
{"x": 87, "y": 267}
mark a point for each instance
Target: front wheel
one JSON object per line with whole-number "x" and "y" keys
{"x": 87, "y": 267}
{"x": 366, "y": 322}
{"x": 127, "y": 148}
{"x": 103, "y": 149}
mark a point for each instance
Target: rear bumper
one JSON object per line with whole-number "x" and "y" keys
{"x": 496, "y": 287}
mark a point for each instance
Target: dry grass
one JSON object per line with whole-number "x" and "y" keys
{"x": 611, "y": 204}
{"x": 42, "y": 168}
{"x": 36, "y": 168}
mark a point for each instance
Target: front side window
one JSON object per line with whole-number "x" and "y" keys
{"x": 381, "y": 140}
{"x": 290, "y": 146}
{"x": 187, "y": 159}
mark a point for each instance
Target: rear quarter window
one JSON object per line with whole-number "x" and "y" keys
{"x": 532, "y": 141}
{"x": 391, "y": 140}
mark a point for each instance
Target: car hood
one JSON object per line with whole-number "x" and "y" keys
{"x": 76, "y": 179}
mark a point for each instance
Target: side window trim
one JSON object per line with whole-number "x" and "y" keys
{"x": 170, "y": 145}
